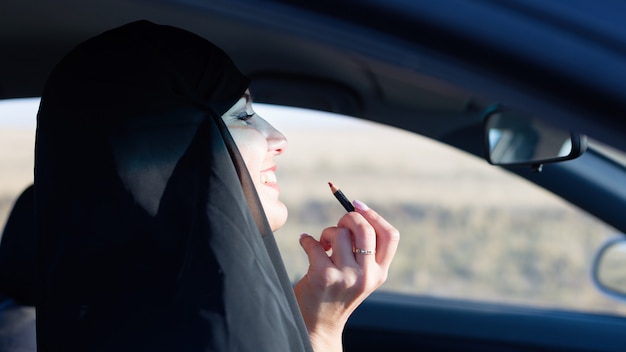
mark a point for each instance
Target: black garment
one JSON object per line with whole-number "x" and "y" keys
{"x": 150, "y": 233}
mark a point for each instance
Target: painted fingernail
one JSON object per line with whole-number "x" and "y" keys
{"x": 360, "y": 205}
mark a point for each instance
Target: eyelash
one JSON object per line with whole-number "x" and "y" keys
{"x": 245, "y": 117}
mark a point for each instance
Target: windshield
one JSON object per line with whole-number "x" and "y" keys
{"x": 607, "y": 151}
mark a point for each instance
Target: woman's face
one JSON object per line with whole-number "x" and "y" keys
{"x": 259, "y": 142}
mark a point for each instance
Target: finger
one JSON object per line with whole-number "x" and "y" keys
{"x": 363, "y": 238}
{"x": 314, "y": 250}
{"x": 387, "y": 236}
{"x": 341, "y": 243}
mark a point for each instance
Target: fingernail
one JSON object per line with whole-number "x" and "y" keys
{"x": 360, "y": 205}
{"x": 303, "y": 236}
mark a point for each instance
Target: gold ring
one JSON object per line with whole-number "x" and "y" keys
{"x": 362, "y": 251}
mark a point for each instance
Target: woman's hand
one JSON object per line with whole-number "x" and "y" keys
{"x": 336, "y": 284}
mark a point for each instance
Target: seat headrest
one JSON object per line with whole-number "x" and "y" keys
{"x": 17, "y": 251}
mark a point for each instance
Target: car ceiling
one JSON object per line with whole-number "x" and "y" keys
{"x": 409, "y": 64}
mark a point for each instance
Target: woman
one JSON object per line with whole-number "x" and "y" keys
{"x": 156, "y": 201}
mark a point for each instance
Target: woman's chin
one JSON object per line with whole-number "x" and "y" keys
{"x": 276, "y": 215}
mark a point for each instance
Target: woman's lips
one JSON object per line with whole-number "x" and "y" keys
{"x": 268, "y": 177}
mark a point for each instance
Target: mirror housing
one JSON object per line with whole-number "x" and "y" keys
{"x": 512, "y": 138}
{"x": 609, "y": 268}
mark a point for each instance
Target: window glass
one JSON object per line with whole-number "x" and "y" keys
{"x": 469, "y": 230}
{"x": 17, "y": 141}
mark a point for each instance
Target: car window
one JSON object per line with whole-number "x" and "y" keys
{"x": 17, "y": 141}
{"x": 469, "y": 230}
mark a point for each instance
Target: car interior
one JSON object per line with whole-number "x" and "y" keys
{"x": 488, "y": 78}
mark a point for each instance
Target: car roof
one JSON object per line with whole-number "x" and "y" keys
{"x": 429, "y": 67}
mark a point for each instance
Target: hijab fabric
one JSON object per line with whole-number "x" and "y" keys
{"x": 150, "y": 234}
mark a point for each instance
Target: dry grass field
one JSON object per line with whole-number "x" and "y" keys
{"x": 468, "y": 230}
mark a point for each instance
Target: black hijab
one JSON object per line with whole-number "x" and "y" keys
{"x": 150, "y": 235}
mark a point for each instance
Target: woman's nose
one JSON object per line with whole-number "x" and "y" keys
{"x": 276, "y": 141}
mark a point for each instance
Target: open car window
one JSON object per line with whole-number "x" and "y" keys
{"x": 17, "y": 149}
{"x": 469, "y": 230}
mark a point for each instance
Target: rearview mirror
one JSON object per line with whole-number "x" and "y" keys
{"x": 515, "y": 138}
{"x": 608, "y": 268}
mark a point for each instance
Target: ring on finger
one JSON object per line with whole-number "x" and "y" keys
{"x": 363, "y": 251}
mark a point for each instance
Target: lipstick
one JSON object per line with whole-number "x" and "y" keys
{"x": 341, "y": 197}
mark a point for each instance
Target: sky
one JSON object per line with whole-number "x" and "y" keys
{"x": 18, "y": 113}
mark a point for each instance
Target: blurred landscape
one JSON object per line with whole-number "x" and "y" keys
{"x": 16, "y": 166}
{"x": 468, "y": 230}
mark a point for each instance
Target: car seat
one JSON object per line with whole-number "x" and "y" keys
{"x": 17, "y": 277}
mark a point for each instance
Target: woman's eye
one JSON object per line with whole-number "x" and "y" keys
{"x": 244, "y": 116}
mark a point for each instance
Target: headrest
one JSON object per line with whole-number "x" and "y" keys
{"x": 17, "y": 251}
